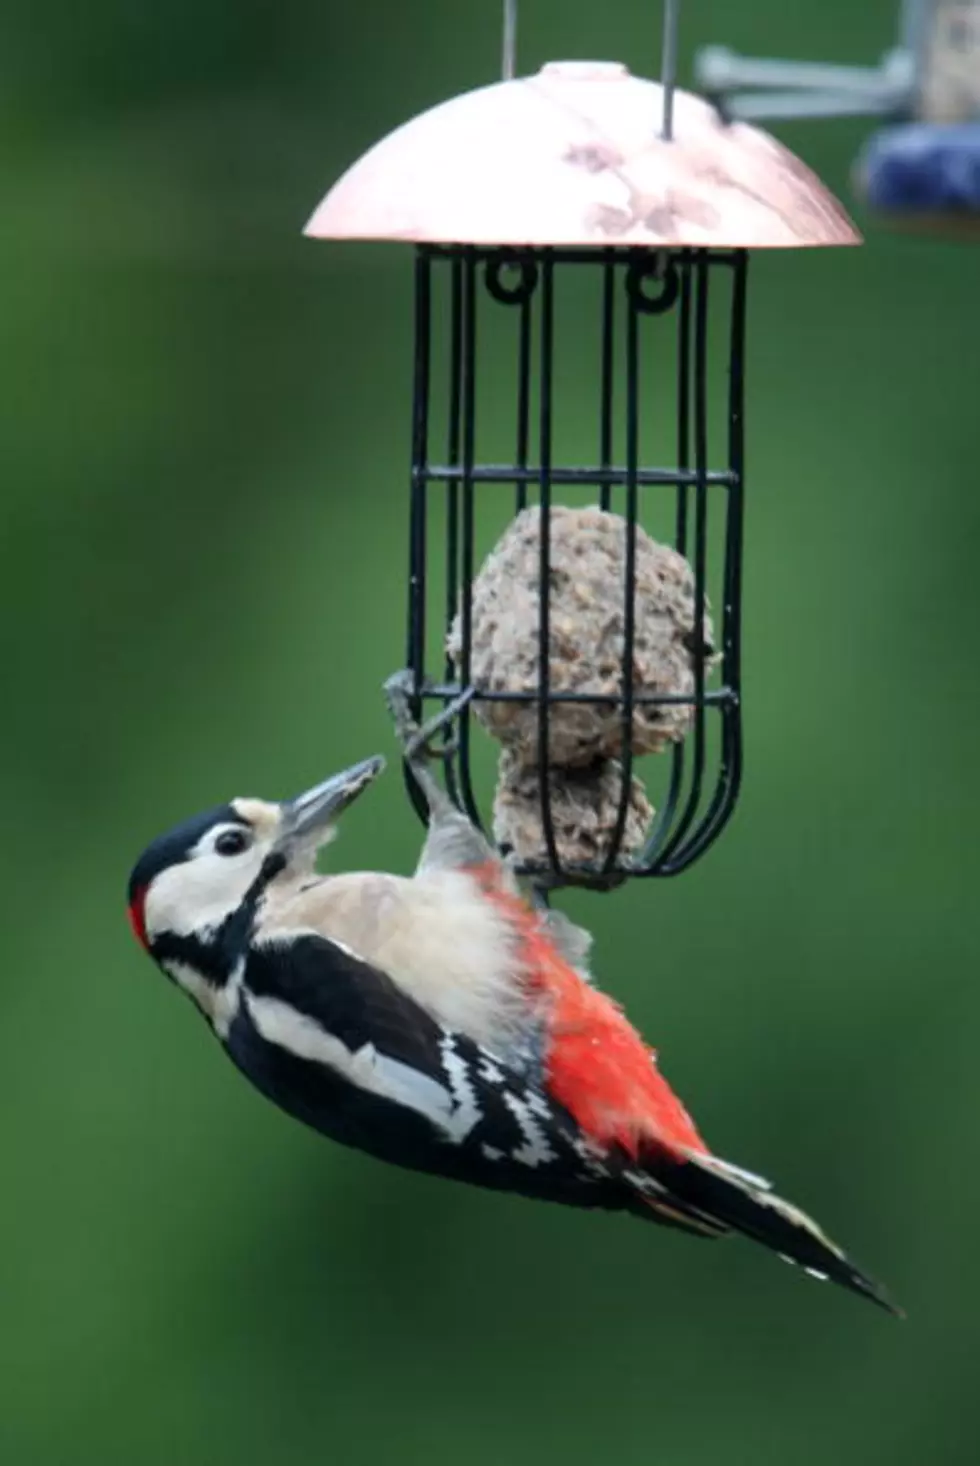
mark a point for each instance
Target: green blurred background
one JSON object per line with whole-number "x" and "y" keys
{"x": 204, "y": 440}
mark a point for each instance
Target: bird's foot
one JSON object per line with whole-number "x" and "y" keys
{"x": 399, "y": 691}
{"x": 417, "y": 739}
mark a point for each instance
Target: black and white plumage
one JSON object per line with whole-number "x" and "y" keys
{"x": 334, "y": 1042}
{"x": 327, "y": 1036}
{"x": 436, "y": 1022}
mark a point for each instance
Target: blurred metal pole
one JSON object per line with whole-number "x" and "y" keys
{"x": 509, "y": 58}
{"x": 668, "y": 65}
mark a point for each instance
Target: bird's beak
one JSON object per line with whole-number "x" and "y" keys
{"x": 320, "y": 806}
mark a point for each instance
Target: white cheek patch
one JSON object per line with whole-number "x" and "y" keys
{"x": 199, "y": 894}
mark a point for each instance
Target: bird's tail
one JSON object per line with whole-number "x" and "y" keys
{"x": 713, "y": 1194}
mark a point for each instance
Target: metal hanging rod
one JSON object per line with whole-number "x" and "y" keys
{"x": 509, "y": 48}
{"x": 668, "y": 65}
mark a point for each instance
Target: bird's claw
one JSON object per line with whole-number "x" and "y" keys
{"x": 416, "y": 739}
{"x": 399, "y": 690}
{"x": 421, "y": 745}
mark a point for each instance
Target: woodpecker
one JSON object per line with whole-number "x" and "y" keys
{"x": 440, "y": 1022}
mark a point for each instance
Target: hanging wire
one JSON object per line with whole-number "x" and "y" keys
{"x": 668, "y": 65}
{"x": 509, "y": 56}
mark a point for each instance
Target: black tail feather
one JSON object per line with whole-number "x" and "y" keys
{"x": 734, "y": 1199}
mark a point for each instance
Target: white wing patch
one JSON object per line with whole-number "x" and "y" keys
{"x": 538, "y": 1105}
{"x": 396, "y": 1081}
{"x": 536, "y": 1150}
{"x": 468, "y": 1113}
{"x": 453, "y": 1111}
{"x": 283, "y": 1025}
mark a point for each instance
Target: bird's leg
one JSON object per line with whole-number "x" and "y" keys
{"x": 417, "y": 740}
{"x": 453, "y": 840}
{"x": 398, "y": 697}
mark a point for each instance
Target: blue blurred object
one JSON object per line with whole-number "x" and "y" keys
{"x": 922, "y": 168}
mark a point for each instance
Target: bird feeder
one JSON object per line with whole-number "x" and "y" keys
{"x": 575, "y": 564}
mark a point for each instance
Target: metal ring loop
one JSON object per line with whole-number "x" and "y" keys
{"x": 522, "y": 288}
{"x": 652, "y": 269}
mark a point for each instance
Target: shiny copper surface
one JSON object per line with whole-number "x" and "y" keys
{"x": 573, "y": 156}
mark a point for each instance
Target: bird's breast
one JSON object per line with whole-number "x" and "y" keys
{"x": 436, "y": 935}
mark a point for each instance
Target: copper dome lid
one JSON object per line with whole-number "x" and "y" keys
{"x": 574, "y": 156}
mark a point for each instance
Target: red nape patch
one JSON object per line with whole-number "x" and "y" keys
{"x": 137, "y": 919}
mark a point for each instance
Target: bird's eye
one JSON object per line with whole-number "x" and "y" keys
{"x": 232, "y": 842}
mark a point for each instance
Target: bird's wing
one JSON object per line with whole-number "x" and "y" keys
{"x": 335, "y": 1042}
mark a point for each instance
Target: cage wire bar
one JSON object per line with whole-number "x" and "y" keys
{"x": 645, "y": 284}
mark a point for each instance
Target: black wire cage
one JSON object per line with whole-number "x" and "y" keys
{"x": 654, "y": 310}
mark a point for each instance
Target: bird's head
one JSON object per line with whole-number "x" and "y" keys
{"x": 190, "y": 884}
